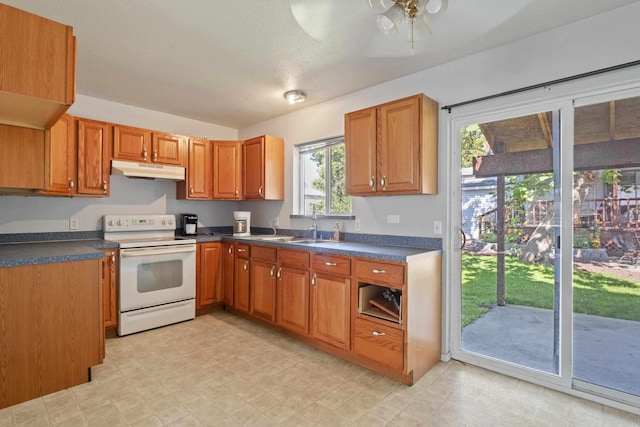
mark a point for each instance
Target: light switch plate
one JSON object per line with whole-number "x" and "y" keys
{"x": 74, "y": 223}
{"x": 357, "y": 225}
{"x": 437, "y": 227}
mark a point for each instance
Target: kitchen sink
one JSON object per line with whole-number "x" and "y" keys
{"x": 309, "y": 241}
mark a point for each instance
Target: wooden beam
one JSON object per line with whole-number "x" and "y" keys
{"x": 597, "y": 156}
{"x": 546, "y": 128}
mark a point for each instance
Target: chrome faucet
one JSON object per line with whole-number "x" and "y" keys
{"x": 314, "y": 222}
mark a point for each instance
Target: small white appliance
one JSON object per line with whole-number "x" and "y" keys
{"x": 241, "y": 223}
{"x": 157, "y": 283}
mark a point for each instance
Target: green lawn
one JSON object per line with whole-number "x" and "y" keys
{"x": 532, "y": 285}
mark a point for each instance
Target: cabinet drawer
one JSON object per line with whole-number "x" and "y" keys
{"x": 242, "y": 251}
{"x": 293, "y": 258}
{"x": 380, "y": 272}
{"x": 379, "y": 343}
{"x": 263, "y": 253}
{"x": 332, "y": 264}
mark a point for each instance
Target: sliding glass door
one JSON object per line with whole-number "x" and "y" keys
{"x": 510, "y": 220}
{"x": 606, "y": 262}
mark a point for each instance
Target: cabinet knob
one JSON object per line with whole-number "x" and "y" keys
{"x": 155, "y": 155}
{"x": 70, "y": 184}
{"x": 372, "y": 183}
{"x": 377, "y": 334}
{"x": 376, "y": 271}
{"x": 191, "y": 190}
{"x": 144, "y": 153}
{"x": 237, "y": 192}
{"x": 230, "y": 250}
{"x": 246, "y": 266}
{"x": 104, "y": 187}
{"x": 383, "y": 182}
{"x": 279, "y": 273}
{"x": 272, "y": 273}
{"x": 313, "y": 280}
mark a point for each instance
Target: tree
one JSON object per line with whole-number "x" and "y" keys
{"x": 473, "y": 143}
{"x": 340, "y": 202}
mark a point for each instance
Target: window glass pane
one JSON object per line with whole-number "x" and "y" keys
{"x": 340, "y": 202}
{"x": 312, "y": 165}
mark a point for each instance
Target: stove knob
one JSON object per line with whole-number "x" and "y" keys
{"x": 162, "y": 222}
{"x": 110, "y": 223}
{"x": 170, "y": 221}
{"x": 119, "y": 222}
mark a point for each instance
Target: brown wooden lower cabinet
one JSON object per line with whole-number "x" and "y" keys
{"x": 208, "y": 284}
{"x": 334, "y": 303}
{"x": 109, "y": 288}
{"x": 227, "y": 257}
{"x": 52, "y": 330}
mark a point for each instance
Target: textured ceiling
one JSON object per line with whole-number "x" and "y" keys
{"x": 228, "y": 62}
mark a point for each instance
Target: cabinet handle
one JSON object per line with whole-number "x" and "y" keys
{"x": 383, "y": 182}
{"x": 237, "y": 192}
{"x": 113, "y": 260}
{"x": 104, "y": 187}
{"x": 376, "y": 271}
{"x": 372, "y": 183}
{"x": 260, "y": 191}
{"x": 230, "y": 250}
{"x": 191, "y": 190}
{"x": 330, "y": 264}
{"x": 144, "y": 153}
{"x": 279, "y": 273}
{"x": 377, "y": 334}
{"x": 272, "y": 272}
{"x": 70, "y": 183}
{"x": 155, "y": 155}
{"x": 242, "y": 250}
{"x": 313, "y": 281}
{"x": 246, "y": 265}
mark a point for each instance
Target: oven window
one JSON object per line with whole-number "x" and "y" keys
{"x": 156, "y": 276}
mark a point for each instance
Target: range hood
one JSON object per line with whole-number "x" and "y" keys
{"x": 147, "y": 170}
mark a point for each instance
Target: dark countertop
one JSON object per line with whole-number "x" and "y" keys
{"x": 16, "y": 254}
{"x": 359, "y": 249}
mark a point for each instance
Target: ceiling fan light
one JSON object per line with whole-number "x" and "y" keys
{"x": 380, "y": 4}
{"x": 295, "y": 96}
{"x": 388, "y": 22}
{"x": 435, "y": 8}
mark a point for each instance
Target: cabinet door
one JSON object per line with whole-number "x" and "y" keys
{"x": 360, "y": 152}
{"x": 293, "y": 299}
{"x": 93, "y": 157}
{"x": 109, "y": 287}
{"x": 253, "y": 155}
{"x": 60, "y": 157}
{"x": 22, "y": 155}
{"x": 330, "y": 309}
{"x": 241, "y": 288}
{"x": 131, "y": 144}
{"x": 263, "y": 290}
{"x": 399, "y": 146}
{"x": 167, "y": 149}
{"x": 227, "y": 169}
{"x": 226, "y": 266}
{"x": 208, "y": 290}
{"x": 197, "y": 186}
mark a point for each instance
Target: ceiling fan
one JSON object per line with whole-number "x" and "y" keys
{"x": 327, "y": 20}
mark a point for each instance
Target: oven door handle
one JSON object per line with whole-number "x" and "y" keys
{"x": 125, "y": 253}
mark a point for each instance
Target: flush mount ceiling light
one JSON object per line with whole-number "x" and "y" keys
{"x": 418, "y": 13}
{"x": 295, "y": 96}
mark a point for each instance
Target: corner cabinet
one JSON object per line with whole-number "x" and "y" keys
{"x": 263, "y": 169}
{"x": 197, "y": 185}
{"x": 227, "y": 170}
{"x": 392, "y": 148}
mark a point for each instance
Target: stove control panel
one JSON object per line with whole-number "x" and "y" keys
{"x": 112, "y": 223}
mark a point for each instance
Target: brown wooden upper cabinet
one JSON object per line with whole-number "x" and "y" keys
{"x": 60, "y": 158}
{"x": 22, "y": 158}
{"x": 37, "y": 82}
{"x": 227, "y": 170}
{"x": 197, "y": 185}
{"x": 263, "y": 168}
{"x": 93, "y": 157}
{"x": 392, "y": 148}
{"x": 145, "y": 146}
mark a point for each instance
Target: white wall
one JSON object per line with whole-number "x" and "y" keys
{"x": 602, "y": 41}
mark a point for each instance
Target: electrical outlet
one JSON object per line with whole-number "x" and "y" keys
{"x": 437, "y": 227}
{"x": 74, "y": 223}
{"x": 276, "y": 221}
{"x": 357, "y": 225}
{"x": 393, "y": 219}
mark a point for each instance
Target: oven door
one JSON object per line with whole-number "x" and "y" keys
{"x": 156, "y": 275}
